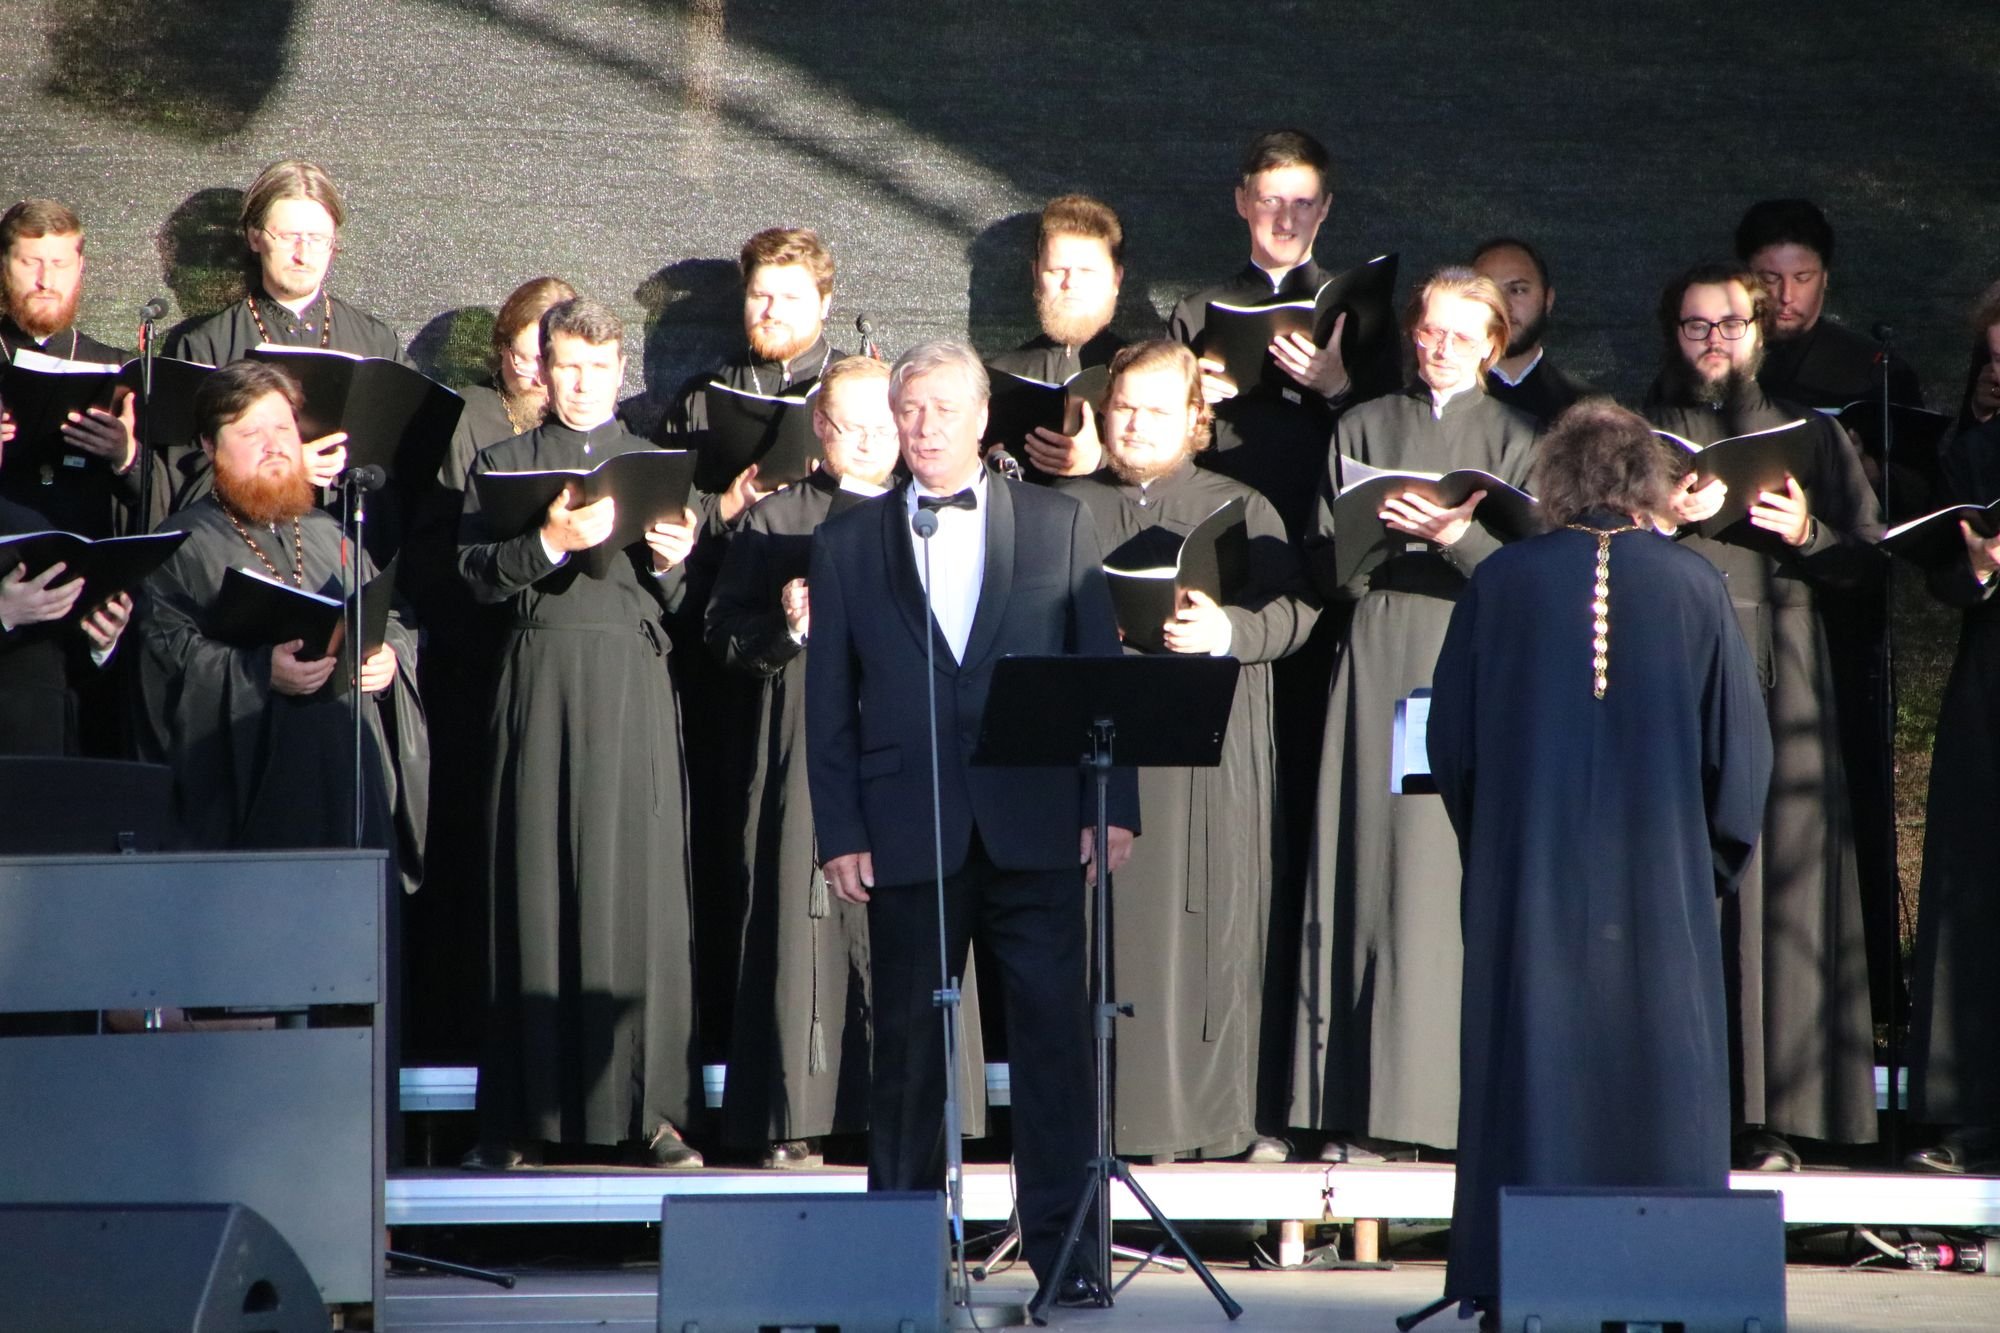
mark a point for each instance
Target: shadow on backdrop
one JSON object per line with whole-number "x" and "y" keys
{"x": 694, "y": 319}
{"x": 203, "y": 259}
{"x": 197, "y": 70}
{"x": 456, "y": 347}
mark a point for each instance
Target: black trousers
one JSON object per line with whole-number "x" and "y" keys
{"x": 1033, "y": 924}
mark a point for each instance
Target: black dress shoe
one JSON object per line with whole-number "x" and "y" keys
{"x": 1944, "y": 1157}
{"x": 666, "y": 1148}
{"x": 1077, "y": 1292}
{"x": 1765, "y": 1151}
{"x": 793, "y": 1155}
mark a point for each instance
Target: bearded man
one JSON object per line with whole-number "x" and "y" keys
{"x": 1079, "y": 267}
{"x": 259, "y": 739}
{"x": 94, "y": 492}
{"x": 1804, "y": 1047}
{"x": 1196, "y": 1075}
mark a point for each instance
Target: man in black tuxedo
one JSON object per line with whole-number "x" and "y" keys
{"x": 1012, "y": 569}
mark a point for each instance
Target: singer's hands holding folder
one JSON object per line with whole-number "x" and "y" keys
{"x": 325, "y": 458}
{"x": 1412, "y": 513}
{"x": 580, "y": 528}
{"x": 295, "y": 678}
{"x": 378, "y": 670}
{"x": 1199, "y": 626}
{"x": 1320, "y": 369}
{"x": 31, "y": 601}
{"x": 1059, "y": 455}
{"x": 103, "y": 626}
{"x": 1784, "y": 513}
{"x": 112, "y": 436}
{"x": 671, "y": 542}
{"x": 1694, "y": 504}
{"x": 1982, "y": 553}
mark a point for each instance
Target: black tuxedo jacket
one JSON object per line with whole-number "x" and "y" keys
{"x": 1042, "y": 593}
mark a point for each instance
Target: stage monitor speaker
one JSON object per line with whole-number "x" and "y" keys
{"x": 859, "y": 1263}
{"x": 1662, "y": 1261}
{"x": 151, "y": 1268}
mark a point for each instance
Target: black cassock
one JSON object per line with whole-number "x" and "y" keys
{"x": 252, "y": 767}
{"x": 1543, "y": 393}
{"x": 798, "y": 1048}
{"x": 1192, "y": 915}
{"x": 1955, "y": 990}
{"x": 83, "y": 494}
{"x": 37, "y": 710}
{"x": 1272, "y": 439}
{"x": 1596, "y": 834}
{"x": 721, "y": 704}
{"x": 1794, "y": 930}
{"x": 590, "y": 1023}
{"x": 230, "y": 335}
{"x": 1375, "y": 1050}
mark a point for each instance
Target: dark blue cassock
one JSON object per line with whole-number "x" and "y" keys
{"x": 1595, "y": 835}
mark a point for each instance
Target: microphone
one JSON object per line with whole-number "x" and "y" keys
{"x": 923, "y": 523}
{"x": 370, "y": 477}
{"x": 867, "y": 332}
{"x": 153, "y": 311}
{"x": 1883, "y": 334}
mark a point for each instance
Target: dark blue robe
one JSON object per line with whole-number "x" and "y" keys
{"x": 1595, "y": 835}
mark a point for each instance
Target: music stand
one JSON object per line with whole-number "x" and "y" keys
{"x": 1162, "y": 711}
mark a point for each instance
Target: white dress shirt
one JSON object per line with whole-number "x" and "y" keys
{"x": 957, "y": 560}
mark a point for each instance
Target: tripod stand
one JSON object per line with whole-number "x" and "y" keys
{"x": 1173, "y": 711}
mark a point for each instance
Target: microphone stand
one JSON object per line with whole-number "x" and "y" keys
{"x": 355, "y": 512}
{"x": 925, "y": 523}
{"x": 1887, "y": 723}
{"x": 148, "y": 333}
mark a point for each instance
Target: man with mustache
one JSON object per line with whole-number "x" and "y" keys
{"x": 94, "y": 491}
{"x": 1079, "y": 267}
{"x": 1805, "y": 1042}
{"x": 259, "y": 738}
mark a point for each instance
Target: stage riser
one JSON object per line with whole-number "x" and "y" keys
{"x": 1202, "y": 1192}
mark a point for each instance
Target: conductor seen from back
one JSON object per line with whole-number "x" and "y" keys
{"x": 1013, "y": 570}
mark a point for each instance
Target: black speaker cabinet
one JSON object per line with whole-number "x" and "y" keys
{"x": 1614, "y": 1261}
{"x": 862, "y": 1263}
{"x": 152, "y": 1268}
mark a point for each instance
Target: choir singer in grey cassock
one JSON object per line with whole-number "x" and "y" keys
{"x": 1192, "y": 911}
{"x": 1597, "y": 733}
{"x": 1375, "y": 1052}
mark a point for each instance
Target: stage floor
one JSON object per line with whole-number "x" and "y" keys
{"x": 1819, "y": 1300}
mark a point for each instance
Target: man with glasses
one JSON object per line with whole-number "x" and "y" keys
{"x": 1375, "y": 1053}
{"x": 1805, "y": 1043}
{"x": 291, "y": 219}
{"x": 798, "y": 1057}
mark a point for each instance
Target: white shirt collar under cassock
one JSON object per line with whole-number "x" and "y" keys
{"x": 1514, "y": 381}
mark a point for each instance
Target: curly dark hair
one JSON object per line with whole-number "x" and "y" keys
{"x": 1600, "y": 456}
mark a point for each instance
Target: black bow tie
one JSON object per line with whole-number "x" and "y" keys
{"x": 959, "y": 500}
